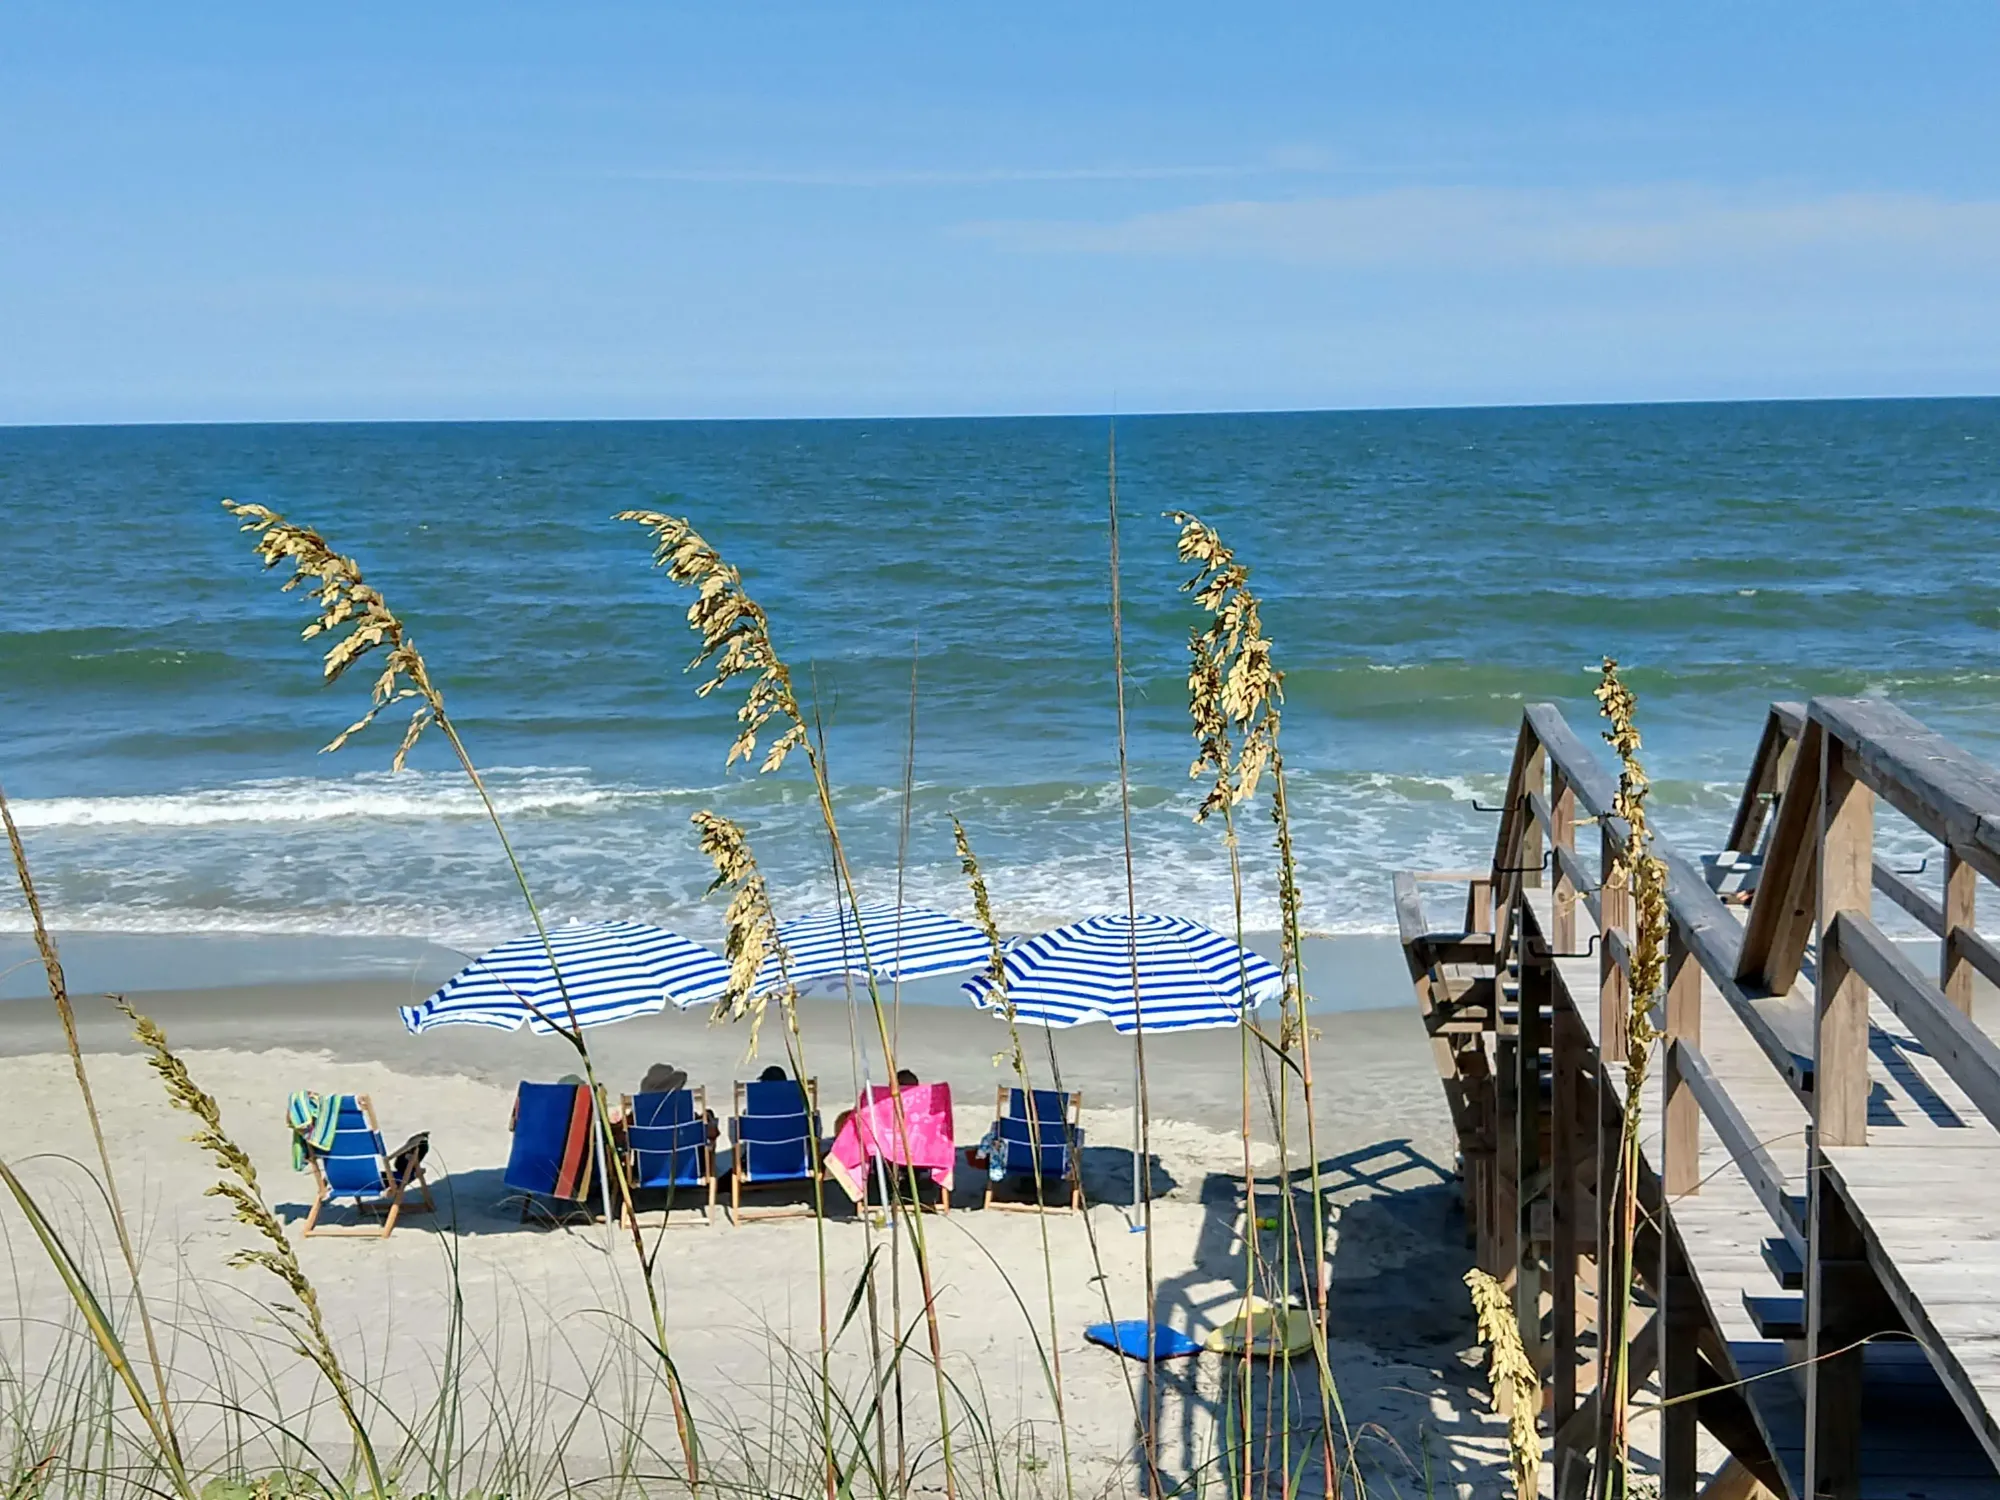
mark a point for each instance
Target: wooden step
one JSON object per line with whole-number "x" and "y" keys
{"x": 1785, "y": 1264}
{"x": 1777, "y": 1317}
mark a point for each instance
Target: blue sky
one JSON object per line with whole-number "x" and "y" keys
{"x": 373, "y": 211}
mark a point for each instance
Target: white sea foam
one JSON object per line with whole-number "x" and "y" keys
{"x": 410, "y": 857}
{"x": 304, "y": 799}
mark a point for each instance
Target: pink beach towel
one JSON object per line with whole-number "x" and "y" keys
{"x": 872, "y": 1131}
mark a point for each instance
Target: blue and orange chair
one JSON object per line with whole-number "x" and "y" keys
{"x": 353, "y": 1164}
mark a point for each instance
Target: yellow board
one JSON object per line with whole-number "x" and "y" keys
{"x": 1270, "y": 1331}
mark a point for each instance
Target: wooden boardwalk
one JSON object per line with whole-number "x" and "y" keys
{"x": 1818, "y": 1253}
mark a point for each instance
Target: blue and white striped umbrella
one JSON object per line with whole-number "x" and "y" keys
{"x": 611, "y": 971}
{"x": 1190, "y": 976}
{"x": 912, "y": 942}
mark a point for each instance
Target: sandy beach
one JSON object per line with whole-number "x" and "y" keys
{"x": 542, "y": 1306}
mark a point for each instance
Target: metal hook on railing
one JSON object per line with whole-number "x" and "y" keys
{"x": 1922, "y": 865}
{"x": 1478, "y": 806}
{"x": 1534, "y": 869}
{"x": 1589, "y": 949}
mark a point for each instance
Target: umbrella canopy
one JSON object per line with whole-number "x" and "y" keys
{"x": 909, "y": 942}
{"x": 611, "y": 971}
{"x": 1190, "y": 976}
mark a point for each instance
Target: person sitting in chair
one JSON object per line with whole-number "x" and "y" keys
{"x": 665, "y": 1078}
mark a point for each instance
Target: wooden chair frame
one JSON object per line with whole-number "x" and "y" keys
{"x": 740, "y": 1178}
{"x": 1072, "y": 1121}
{"x": 631, "y": 1155}
{"x": 390, "y": 1201}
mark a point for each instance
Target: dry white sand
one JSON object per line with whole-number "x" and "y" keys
{"x": 542, "y": 1306}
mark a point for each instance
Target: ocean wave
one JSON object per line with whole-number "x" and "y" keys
{"x": 382, "y": 796}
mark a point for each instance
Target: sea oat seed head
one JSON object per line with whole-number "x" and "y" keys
{"x": 750, "y": 928}
{"x": 1234, "y": 688}
{"x": 735, "y": 637}
{"x": 1647, "y": 874}
{"x": 1510, "y": 1368}
{"x": 346, "y": 602}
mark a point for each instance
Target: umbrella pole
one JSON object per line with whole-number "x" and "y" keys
{"x": 601, "y": 1126}
{"x": 1138, "y": 1140}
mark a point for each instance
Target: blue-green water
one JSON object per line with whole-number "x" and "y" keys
{"x": 1425, "y": 572}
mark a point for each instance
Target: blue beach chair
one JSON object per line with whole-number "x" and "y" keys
{"x": 553, "y": 1154}
{"x": 354, "y": 1164}
{"x": 776, "y": 1134}
{"x": 667, "y": 1148}
{"x": 1037, "y": 1135}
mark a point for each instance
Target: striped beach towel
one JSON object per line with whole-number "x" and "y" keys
{"x": 553, "y": 1151}
{"x": 313, "y": 1118}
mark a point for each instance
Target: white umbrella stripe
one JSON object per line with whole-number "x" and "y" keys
{"x": 910, "y": 943}
{"x": 602, "y": 972}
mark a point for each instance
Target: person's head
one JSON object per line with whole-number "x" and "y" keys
{"x": 906, "y": 1078}
{"x": 772, "y": 1074}
{"x": 663, "y": 1078}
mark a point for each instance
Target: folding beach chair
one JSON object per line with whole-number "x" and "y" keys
{"x": 775, "y": 1131}
{"x": 1044, "y": 1145}
{"x": 354, "y": 1164}
{"x": 914, "y": 1137}
{"x": 667, "y": 1147}
{"x": 553, "y": 1154}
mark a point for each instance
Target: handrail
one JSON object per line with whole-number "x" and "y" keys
{"x": 1919, "y": 904}
{"x": 1957, "y": 1045}
{"x": 1949, "y": 793}
{"x": 1745, "y": 1150}
{"x": 1705, "y": 924}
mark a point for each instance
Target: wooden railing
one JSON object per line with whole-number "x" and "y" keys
{"x": 1504, "y": 1000}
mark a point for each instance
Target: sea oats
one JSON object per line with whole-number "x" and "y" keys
{"x": 1637, "y": 867}
{"x": 347, "y": 604}
{"x": 735, "y": 637}
{"x": 1512, "y": 1374}
{"x": 239, "y": 1188}
{"x": 1233, "y": 687}
{"x": 750, "y": 929}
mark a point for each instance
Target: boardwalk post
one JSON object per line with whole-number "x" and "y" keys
{"x": 1680, "y": 1150}
{"x": 1537, "y": 993}
{"x": 1961, "y": 884}
{"x": 1534, "y": 776}
{"x": 1846, "y": 879}
{"x": 1562, "y": 814}
{"x": 1615, "y": 910}
{"x": 1681, "y": 1144}
{"x": 1613, "y": 996}
{"x": 1569, "y": 1150}
{"x": 1833, "y": 1371}
{"x": 1840, "y": 1118}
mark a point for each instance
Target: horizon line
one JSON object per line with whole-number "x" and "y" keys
{"x": 1012, "y": 416}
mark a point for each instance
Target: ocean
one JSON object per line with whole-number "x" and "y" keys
{"x": 1425, "y": 573}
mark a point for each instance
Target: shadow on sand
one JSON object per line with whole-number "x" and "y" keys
{"x": 1398, "y": 1320}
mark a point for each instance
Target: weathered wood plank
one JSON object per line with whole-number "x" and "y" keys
{"x": 1979, "y": 951}
{"x": 1762, "y": 781}
{"x": 1846, "y": 856}
{"x": 1914, "y": 901}
{"x": 1409, "y": 908}
{"x": 1946, "y": 791}
{"x": 1680, "y": 1145}
{"x": 1965, "y": 1052}
{"x": 1781, "y": 912}
{"x": 1966, "y": 1357}
{"x": 1961, "y": 896}
{"x": 1746, "y": 1151}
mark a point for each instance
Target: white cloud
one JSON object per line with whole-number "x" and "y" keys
{"x": 1497, "y": 228}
